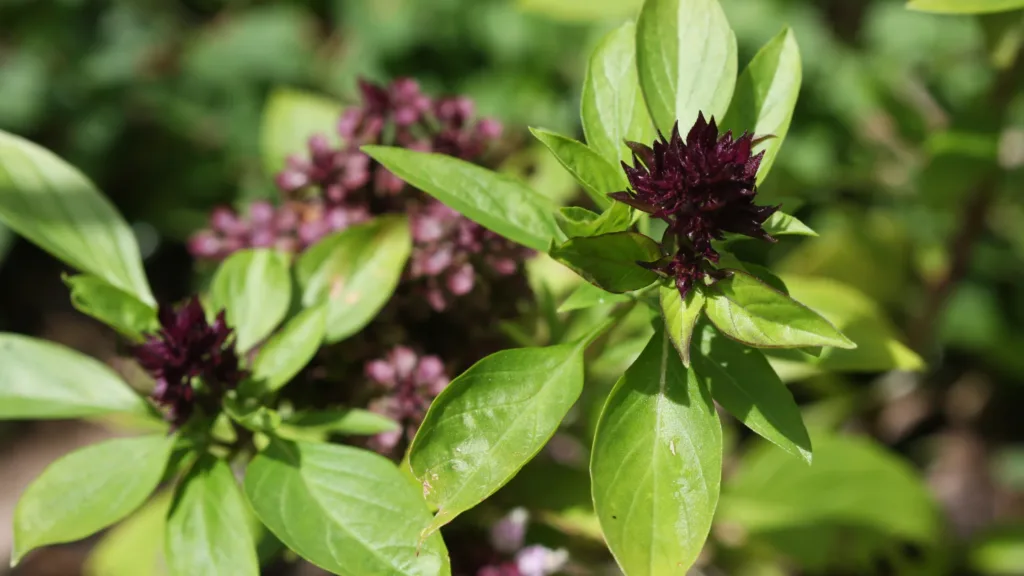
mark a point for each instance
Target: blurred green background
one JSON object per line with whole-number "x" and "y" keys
{"x": 895, "y": 151}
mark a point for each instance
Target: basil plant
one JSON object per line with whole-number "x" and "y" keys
{"x": 677, "y": 142}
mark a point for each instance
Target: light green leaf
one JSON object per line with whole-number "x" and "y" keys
{"x": 135, "y": 546}
{"x": 998, "y": 551}
{"x": 680, "y": 317}
{"x": 348, "y": 421}
{"x": 576, "y": 221}
{"x": 359, "y": 514}
{"x": 88, "y": 490}
{"x": 854, "y": 482}
{"x": 686, "y": 61}
{"x": 497, "y": 202}
{"x": 355, "y": 272}
{"x": 656, "y": 467}
{"x": 878, "y": 343}
{"x": 41, "y": 379}
{"x": 290, "y": 117}
{"x": 596, "y": 175}
{"x": 743, "y": 382}
{"x": 255, "y": 288}
{"x": 208, "y": 528}
{"x": 586, "y": 295}
{"x": 609, "y": 261}
{"x": 250, "y": 413}
{"x": 288, "y": 351}
{"x": 114, "y": 307}
{"x": 965, "y": 6}
{"x": 56, "y": 207}
{"x": 490, "y": 421}
{"x": 751, "y": 312}
{"x": 765, "y": 97}
{"x": 782, "y": 224}
{"x": 612, "y": 105}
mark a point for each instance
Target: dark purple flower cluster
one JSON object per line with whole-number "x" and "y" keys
{"x": 409, "y": 382}
{"x": 189, "y": 358}
{"x": 702, "y": 188}
{"x": 334, "y": 188}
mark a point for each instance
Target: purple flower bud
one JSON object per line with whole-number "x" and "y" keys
{"x": 311, "y": 231}
{"x": 349, "y": 123}
{"x": 319, "y": 148}
{"x": 262, "y": 239}
{"x": 225, "y": 221}
{"x": 488, "y": 129}
{"x": 286, "y": 219}
{"x": 290, "y": 180}
{"x": 386, "y": 183}
{"x": 503, "y": 266}
{"x": 509, "y": 533}
{"x": 404, "y": 360}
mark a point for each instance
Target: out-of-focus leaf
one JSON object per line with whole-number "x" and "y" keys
{"x": 998, "y": 552}
{"x": 853, "y": 483}
{"x": 965, "y": 6}
{"x": 56, "y": 207}
{"x": 765, "y": 96}
{"x": 686, "y": 61}
{"x": 288, "y": 351}
{"x": 134, "y": 547}
{"x": 859, "y": 319}
{"x": 355, "y": 272}
{"x": 290, "y": 118}
{"x": 255, "y": 288}
{"x": 612, "y": 106}
{"x": 581, "y": 10}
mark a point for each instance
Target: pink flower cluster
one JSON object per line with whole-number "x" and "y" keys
{"x": 332, "y": 188}
{"x": 409, "y": 382}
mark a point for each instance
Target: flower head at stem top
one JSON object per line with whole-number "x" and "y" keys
{"x": 702, "y": 187}
{"x": 185, "y": 349}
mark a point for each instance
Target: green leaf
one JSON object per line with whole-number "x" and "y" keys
{"x": 288, "y": 351}
{"x": 686, "y": 61}
{"x": 680, "y": 317}
{"x": 114, "y": 307}
{"x": 577, "y": 222}
{"x": 57, "y": 208}
{"x": 497, "y": 202}
{"x": 41, "y": 379}
{"x": 656, "y": 466}
{"x": 255, "y": 288}
{"x": 347, "y": 421}
{"x": 88, "y": 490}
{"x": 751, "y": 312}
{"x": 782, "y": 224}
{"x": 359, "y": 513}
{"x": 878, "y": 343}
{"x": 743, "y": 382}
{"x": 208, "y": 528}
{"x": 290, "y": 117}
{"x": 135, "y": 546}
{"x": 609, "y": 261}
{"x": 490, "y": 421}
{"x": 597, "y": 176}
{"x": 586, "y": 295}
{"x": 355, "y": 272}
{"x": 765, "y": 96}
{"x": 854, "y": 482}
{"x": 998, "y": 551}
{"x": 612, "y": 106}
{"x": 250, "y": 413}
{"x": 965, "y": 6}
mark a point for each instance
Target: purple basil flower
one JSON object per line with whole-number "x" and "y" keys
{"x": 187, "y": 347}
{"x": 410, "y": 382}
{"x": 702, "y": 187}
{"x": 509, "y": 533}
{"x": 538, "y": 560}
